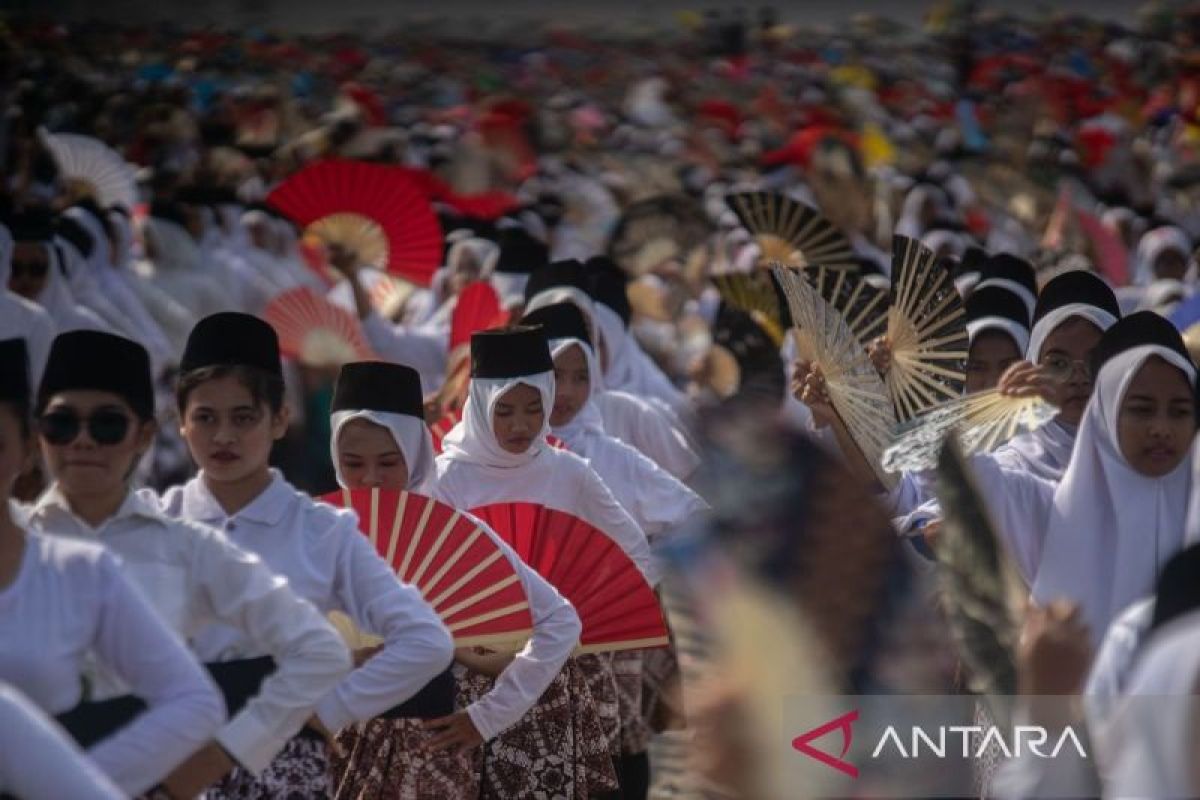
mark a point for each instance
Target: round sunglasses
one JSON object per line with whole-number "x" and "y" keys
{"x": 64, "y": 427}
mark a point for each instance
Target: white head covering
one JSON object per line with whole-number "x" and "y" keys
{"x": 474, "y": 439}
{"x": 1111, "y": 528}
{"x": 58, "y": 301}
{"x": 1045, "y": 326}
{"x": 411, "y": 436}
{"x": 1153, "y": 244}
{"x": 589, "y": 420}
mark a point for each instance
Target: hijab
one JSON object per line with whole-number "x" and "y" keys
{"x": 1111, "y": 528}
{"x": 410, "y": 434}
{"x": 1154, "y": 243}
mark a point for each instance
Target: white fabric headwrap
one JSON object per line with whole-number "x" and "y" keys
{"x": 1046, "y": 325}
{"x": 589, "y": 420}
{"x": 411, "y": 436}
{"x": 474, "y": 439}
{"x": 1111, "y": 528}
{"x": 1153, "y": 244}
{"x": 1018, "y": 332}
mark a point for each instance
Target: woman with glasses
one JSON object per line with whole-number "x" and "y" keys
{"x": 95, "y": 421}
{"x": 66, "y": 605}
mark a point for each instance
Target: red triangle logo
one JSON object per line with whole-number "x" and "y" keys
{"x": 844, "y": 723}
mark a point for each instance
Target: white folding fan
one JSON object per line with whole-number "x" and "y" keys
{"x": 92, "y": 168}
{"x": 857, "y": 392}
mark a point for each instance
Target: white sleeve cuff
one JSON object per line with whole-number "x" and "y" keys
{"x": 251, "y": 743}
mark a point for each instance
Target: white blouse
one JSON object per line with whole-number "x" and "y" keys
{"x": 420, "y": 350}
{"x": 70, "y": 599}
{"x": 38, "y": 761}
{"x": 327, "y": 561}
{"x": 646, "y": 428}
{"x": 194, "y": 576}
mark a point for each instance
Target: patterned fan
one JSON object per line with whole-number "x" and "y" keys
{"x": 378, "y": 212}
{"x": 927, "y": 331}
{"x": 314, "y": 331}
{"x": 92, "y": 168}
{"x": 792, "y": 233}
{"x": 388, "y": 293}
{"x": 981, "y": 422}
{"x": 619, "y": 610}
{"x": 457, "y": 567}
{"x": 863, "y": 306}
{"x": 855, "y": 388}
{"x": 758, "y": 295}
{"x": 652, "y": 230}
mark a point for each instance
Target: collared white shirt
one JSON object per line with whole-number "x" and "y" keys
{"x": 327, "y": 561}
{"x": 194, "y": 576}
{"x": 70, "y": 600}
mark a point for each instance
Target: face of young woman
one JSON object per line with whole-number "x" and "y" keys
{"x": 30, "y": 266}
{"x": 990, "y": 354}
{"x": 572, "y": 385}
{"x": 518, "y": 417}
{"x": 1066, "y": 355}
{"x": 1157, "y": 419}
{"x": 14, "y": 449}
{"x": 229, "y": 435}
{"x": 108, "y": 440}
{"x": 369, "y": 458}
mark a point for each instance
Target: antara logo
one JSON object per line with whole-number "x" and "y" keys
{"x": 844, "y": 723}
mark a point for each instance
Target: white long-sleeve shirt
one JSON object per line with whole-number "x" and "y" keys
{"x": 645, "y": 427}
{"x": 70, "y": 600}
{"x": 556, "y": 629}
{"x": 38, "y": 761}
{"x": 327, "y": 561}
{"x": 555, "y": 479}
{"x": 194, "y": 576}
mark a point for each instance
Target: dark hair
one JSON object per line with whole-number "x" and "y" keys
{"x": 264, "y": 387}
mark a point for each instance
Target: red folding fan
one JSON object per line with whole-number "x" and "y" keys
{"x": 314, "y": 331}
{"x": 377, "y": 211}
{"x": 457, "y": 567}
{"x": 477, "y": 308}
{"x": 618, "y": 608}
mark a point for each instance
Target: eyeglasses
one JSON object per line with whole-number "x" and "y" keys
{"x": 1061, "y": 367}
{"x": 63, "y": 427}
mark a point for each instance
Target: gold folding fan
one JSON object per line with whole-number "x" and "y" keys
{"x": 857, "y": 392}
{"x": 792, "y": 233}
{"x": 756, "y": 294}
{"x": 982, "y": 422}
{"x": 927, "y": 331}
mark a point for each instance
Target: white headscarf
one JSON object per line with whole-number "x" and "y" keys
{"x": 1044, "y": 451}
{"x": 1111, "y": 528}
{"x": 1015, "y": 330}
{"x": 589, "y": 421}
{"x": 410, "y": 434}
{"x": 1153, "y": 244}
{"x": 1046, "y": 325}
{"x": 474, "y": 439}
{"x": 58, "y": 301}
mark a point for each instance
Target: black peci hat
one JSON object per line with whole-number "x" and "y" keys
{"x": 569, "y": 273}
{"x": 231, "y": 338}
{"x": 560, "y": 321}
{"x": 520, "y": 253}
{"x": 102, "y": 362}
{"x": 1135, "y": 330}
{"x": 379, "y": 386}
{"x": 510, "y": 353}
{"x": 1076, "y": 286}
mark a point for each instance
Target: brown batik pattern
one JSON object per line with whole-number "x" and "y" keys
{"x": 627, "y": 671}
{"x": 299, "y": 772}
{"x": 597, "y": 669}
{"x": 557, "y": 751}
{"x": 390, "y": 759}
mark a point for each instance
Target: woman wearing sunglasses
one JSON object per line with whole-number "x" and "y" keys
{"x": 65, "y": 604}
{"x": 95, "y": 420}
{"x": 230, "y": 398}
